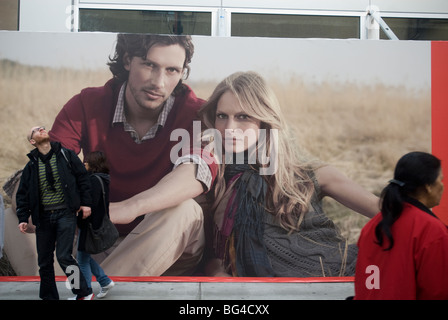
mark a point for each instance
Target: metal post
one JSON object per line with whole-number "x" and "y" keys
{"x": 374, "y": 22}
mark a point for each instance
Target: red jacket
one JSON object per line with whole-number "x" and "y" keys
{"x": 415, "y": 268}
{"x": 85, "y": 122}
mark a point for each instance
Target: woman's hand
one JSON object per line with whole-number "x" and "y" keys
{"x": 85, "y": 211}
{"x": 214, "y": 268}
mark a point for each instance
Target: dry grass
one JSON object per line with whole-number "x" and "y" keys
{"x": 361, "y": 130}
{"x": 33, "y": 96}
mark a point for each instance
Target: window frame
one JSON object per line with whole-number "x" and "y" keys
{"x": 221, "y": 16}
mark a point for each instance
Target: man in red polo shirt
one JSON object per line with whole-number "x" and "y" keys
{"x": 131, "y": 119}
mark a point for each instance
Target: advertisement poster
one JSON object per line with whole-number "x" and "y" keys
{"x": 357, "y": 105}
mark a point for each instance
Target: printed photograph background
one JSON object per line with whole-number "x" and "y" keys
{"x": 358, "y": 105}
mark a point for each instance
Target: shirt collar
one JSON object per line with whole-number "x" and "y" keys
{"x": 419, "y": 205}
{"x": 120, "y": 117}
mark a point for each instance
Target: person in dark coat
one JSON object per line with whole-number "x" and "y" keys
{"x": 54, "y": 188}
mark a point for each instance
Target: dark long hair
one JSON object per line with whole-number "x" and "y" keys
{"x": 413, "y": 171}
{"x": 97, "y": 162}
{"x": 138, "y": 45}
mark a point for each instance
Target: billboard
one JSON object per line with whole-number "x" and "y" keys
{"x": 357, "y": 105}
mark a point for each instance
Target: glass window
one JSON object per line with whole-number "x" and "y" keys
{"x": 9, "y": 15}
{"x": 417, "y": 29}
{"x": 294, "y": 26}
{"x": 142, "y": 21}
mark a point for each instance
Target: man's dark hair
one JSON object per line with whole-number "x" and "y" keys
{"x": 138, "y": 45}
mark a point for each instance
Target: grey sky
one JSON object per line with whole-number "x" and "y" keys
{"x": 390, "y": 62}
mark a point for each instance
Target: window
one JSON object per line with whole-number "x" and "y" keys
{"x": 417, "y": 29}
{"x": 294, "y": 26}
{"x": 142, "y": 21}
{"x": 9, "y": 15}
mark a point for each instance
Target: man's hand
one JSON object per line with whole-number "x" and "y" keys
{"x": 23, "y": 227}
{"x": 86, "y": 211}
{"x": 121, "y": 212}
{"x": 27, "y": 227}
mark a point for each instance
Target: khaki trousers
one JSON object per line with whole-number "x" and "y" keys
{"x": 170, "y": 243}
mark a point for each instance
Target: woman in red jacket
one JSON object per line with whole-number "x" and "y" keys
{"x": 403, "y": 251}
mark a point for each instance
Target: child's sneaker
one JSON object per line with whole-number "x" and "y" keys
{"x": 104, "y": 290}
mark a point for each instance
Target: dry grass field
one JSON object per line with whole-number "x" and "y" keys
{"x": 362, "y": 130}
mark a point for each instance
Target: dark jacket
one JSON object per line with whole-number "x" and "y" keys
{"x": 74, "y": 180}
{"x": 99, "y": 207}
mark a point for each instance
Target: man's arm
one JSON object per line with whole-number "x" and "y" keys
{"x": 67, "y": 127}
{"x": 177, "y": 186}
{"x": 82, "y": 178}
{"x": 22, "y": 200}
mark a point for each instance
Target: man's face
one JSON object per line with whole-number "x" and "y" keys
{"x": 38, "y": 135}
{"x": 152, "y": 80}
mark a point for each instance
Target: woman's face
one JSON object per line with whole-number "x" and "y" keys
{"x": 238, "y": 130}
{"x": 436, "y": 191}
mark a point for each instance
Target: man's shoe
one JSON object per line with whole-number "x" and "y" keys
{"x": 104, "y": 290}
{"x": 89, "y": 297}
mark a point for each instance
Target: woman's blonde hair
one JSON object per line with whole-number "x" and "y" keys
{"x": 291, "y": 186}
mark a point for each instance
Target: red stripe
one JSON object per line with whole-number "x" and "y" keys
{"x": 196, "y": 279}
{"x": 439, "y": 116}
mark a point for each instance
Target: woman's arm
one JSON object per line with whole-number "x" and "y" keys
{"x": 177, "y": 186}
{"x": 339, "y": 187}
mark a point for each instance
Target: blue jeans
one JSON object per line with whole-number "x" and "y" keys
{"x": 89, "y": 266}
{"x": 56, "y": 231}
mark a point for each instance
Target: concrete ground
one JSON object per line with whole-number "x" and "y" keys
{"x": 193, "y": 289}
